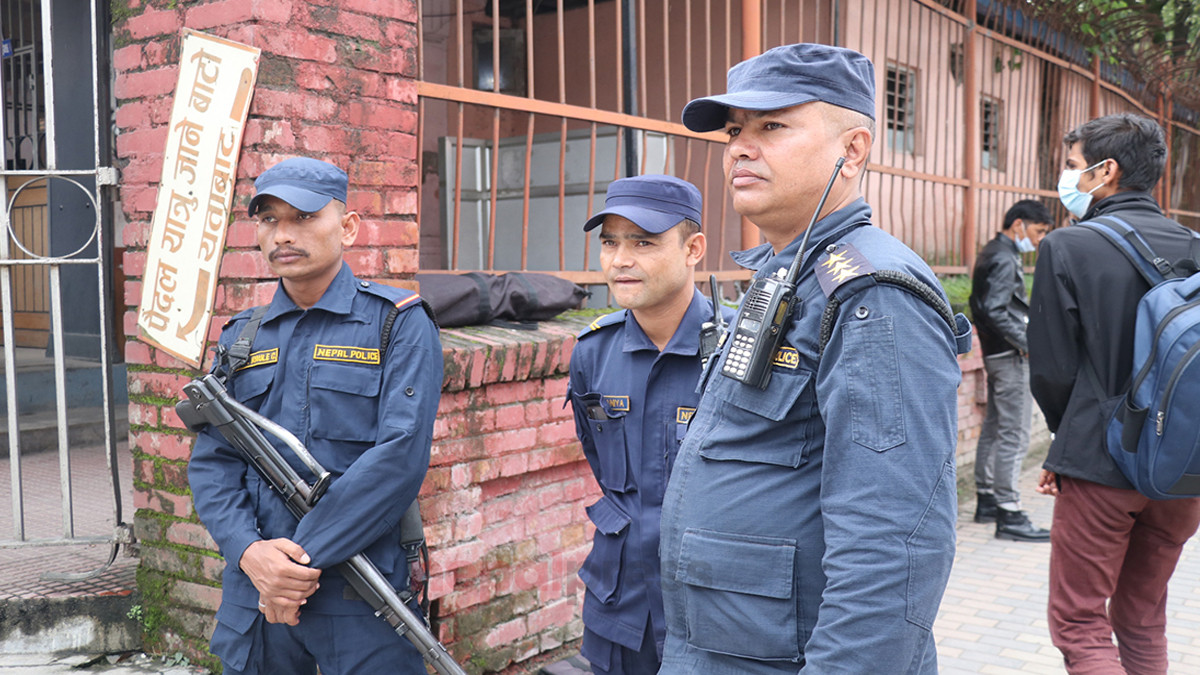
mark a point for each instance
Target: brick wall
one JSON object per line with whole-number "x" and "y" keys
{"x": 505, "y": 495}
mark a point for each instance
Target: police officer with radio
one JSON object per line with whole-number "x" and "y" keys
{"x": 633, "y": 390}
{"x": 809, "y": 522}
{"x": 319, "y": 367}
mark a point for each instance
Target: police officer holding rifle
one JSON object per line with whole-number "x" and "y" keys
{"x": 353, "y": 369}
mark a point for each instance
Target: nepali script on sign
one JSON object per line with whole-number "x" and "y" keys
{"x": 212, "y": 100}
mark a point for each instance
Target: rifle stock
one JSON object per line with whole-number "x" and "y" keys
{"x": 208, "y": 403}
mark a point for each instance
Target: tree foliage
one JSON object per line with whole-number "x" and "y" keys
{"x": 1157, "y": 41}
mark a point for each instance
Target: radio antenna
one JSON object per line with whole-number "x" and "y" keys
{"x": 794, "y": 270}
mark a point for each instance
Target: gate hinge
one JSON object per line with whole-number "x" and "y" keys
{"x": 123, "y": 534}
{"x": 106, "y": 175}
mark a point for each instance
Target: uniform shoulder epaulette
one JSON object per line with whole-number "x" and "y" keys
{"x": 613, "y": 319}
{"x": 393, "y": 294}
{"x": 840, "y": 264}
{"x": 400, "y": 298}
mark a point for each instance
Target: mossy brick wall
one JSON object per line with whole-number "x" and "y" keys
{"x": 504, "y": 498}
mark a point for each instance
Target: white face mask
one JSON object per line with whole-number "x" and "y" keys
{"x": 1068, "y": 190}
{"x": 1025, "y": 246}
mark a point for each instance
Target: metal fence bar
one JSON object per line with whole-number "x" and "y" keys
{"x": 48, "y": 89}
{"x": 10, "y": 381}
{"x": 562, "y": 135}
{"x": 486, "y": 98}
{"x": 525, "y": 195}
{"x": 60, "y": 403}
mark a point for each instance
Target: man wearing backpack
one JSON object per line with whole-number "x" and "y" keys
{"x": 1112, "y": 550}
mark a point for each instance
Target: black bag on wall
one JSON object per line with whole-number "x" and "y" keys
{"x": 473, "y": 298}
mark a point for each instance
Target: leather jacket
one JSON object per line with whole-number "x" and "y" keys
{"x": 999, "y": 305}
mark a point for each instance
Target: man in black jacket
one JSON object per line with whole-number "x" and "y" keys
{"x": 1112, "y": 549}
{"x": 1000, "y": 308}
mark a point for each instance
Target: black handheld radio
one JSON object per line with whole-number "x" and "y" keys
{"x": 765, "y": 308}
{"x": 712, "y": 333}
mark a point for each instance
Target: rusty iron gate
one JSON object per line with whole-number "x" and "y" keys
{"x": 56, "y": 248}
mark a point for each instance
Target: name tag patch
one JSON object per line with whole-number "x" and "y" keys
{"x": 683, "y": 415}
{"x": 265, "y": 357}
{"x": 616, "y": 403}
{"x": 787, "y": 357}
{"x": 363, "y": 355}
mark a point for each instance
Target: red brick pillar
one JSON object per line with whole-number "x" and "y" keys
{"x": 336, "y": 81}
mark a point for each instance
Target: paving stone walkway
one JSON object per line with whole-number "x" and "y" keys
{"x": 993, "y": 617}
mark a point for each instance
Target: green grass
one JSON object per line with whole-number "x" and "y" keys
{"x": 958, "y": 290}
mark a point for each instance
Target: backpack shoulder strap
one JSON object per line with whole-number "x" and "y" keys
{"x": 233, "y": 359}
{"x": 1153, "y": 268}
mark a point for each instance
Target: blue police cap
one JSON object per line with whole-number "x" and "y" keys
{"x": 654, "y": 203}
{"x": 307, "y": 184}
{"x": 787, "y": 76}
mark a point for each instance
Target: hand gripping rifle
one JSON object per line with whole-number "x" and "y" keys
{"x": 208, "y": 403}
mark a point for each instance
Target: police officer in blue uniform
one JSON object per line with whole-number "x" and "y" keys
{"x": 633, "y": 390}
{"x": 365, "y": 409}
{"x": 809, "y": 525}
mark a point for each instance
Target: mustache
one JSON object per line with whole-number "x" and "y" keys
{"x": 290, "y": 250}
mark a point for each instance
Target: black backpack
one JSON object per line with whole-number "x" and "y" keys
{"x": 474, "y": 298}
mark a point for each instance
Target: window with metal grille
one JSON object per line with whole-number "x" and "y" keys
{"x": 23, "y": 87}
{"x": 901, "y": 85}
{"x": 991, "y": 121}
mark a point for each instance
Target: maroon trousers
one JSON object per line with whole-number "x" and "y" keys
{"x": 1112, "y": 553}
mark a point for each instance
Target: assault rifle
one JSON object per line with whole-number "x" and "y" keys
{"x": 207, "y": 403}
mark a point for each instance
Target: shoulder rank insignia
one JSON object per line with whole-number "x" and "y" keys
{"x": 841, "y": 263}
{"x": 606, "y": 320}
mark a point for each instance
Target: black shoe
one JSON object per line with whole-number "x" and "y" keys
{"x": 985, "y": 508}
{"x": 1015, "y": 526}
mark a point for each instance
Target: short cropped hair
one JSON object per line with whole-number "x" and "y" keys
{"x": 1137, "y": 143}
{"x": 843, "y": 119}
{"x": 687, "y": 227}
{"x": 1028, "y": 210}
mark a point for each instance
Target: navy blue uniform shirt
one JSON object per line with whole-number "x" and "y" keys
{"x": 809, "y": 527}
{"x": 366, "y": 416}
{"x": 632, "y": 406}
